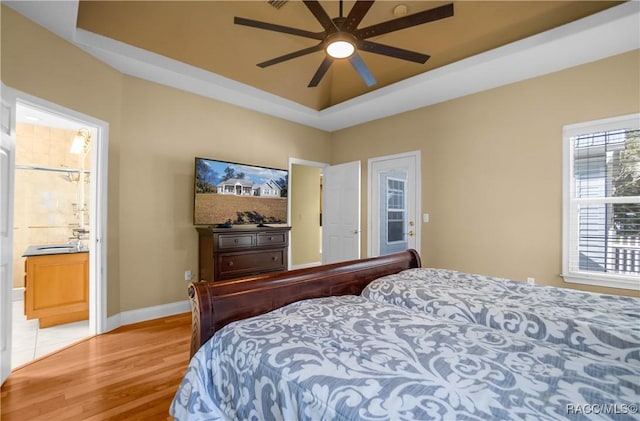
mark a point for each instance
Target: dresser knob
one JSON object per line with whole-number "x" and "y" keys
{"x": 270, "y": 238}
{"x": 274, "y": 258}
{"x": 230, "y": 263}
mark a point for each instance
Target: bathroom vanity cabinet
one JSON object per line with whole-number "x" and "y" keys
{"x": 57, "y": 287}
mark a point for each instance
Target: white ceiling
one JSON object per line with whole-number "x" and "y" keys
{"x": 613, "y": 31}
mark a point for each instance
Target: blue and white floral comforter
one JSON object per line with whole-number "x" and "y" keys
{"x": 603, "y": 325}
{"x": 350, "y": 358}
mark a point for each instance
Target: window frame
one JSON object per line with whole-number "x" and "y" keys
{"x": 569, "y": 132}
{"x": 402, "y": 210}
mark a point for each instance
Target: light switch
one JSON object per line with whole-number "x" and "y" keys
{"x": 425, "y": 217}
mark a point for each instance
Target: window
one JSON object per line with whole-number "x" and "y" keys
{"x": 395, "y": 210}
{"x": 601, "y": 222}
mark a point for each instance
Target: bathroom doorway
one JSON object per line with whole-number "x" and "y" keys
{"x": 54, "y": 202}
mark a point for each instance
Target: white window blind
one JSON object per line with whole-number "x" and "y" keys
{"x": 602, "y": 203}
{"x": 396, "y": 210}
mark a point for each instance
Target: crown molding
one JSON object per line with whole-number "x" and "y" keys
{"x": 605, "y": 34}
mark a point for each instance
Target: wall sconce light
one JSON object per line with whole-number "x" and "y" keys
{"x": 81, "y": 142}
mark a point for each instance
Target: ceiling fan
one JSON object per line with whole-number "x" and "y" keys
{"x": 341, "y": 38}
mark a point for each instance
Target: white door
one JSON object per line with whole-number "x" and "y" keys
{"x": 394, "y": 203}
{"x": 341, "y": 212}
{"x": 7, "y": 163}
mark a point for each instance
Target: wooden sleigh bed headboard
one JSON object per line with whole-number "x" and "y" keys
{"x": 215, "y": 304}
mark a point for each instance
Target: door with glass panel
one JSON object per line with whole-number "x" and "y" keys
{"x": 394, "y": 203}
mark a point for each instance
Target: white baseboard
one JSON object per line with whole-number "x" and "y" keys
{"x": 148, "y": 313}
{"x": 130, "y": 316}
{"x": 306, "y": 265}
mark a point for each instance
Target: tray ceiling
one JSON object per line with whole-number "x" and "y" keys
{"x": 195, "y": 47}
{"x": 202, "y": 34}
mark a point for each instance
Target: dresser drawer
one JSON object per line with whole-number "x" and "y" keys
{"x": 275, "y": 239}
{"x": 234, "y": 241}
{"x": 232, "y": 265}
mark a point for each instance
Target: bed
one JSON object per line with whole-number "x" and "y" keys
{"x": 306, "y": 344}
{"x": 605, "y": 325}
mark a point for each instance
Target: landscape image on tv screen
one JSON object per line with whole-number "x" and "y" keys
{"x": 228, "y": 193}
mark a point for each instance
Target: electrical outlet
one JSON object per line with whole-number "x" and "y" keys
{"x": 187, "y": 275}
{"x": 531, "y": 281}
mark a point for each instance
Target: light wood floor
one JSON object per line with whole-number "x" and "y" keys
{"x": 130, "y": 373}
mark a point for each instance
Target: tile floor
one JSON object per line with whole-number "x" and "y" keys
{"x": 30, "y": 342}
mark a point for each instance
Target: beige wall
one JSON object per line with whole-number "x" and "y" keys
{"x": 492, "y": 166}
{"x": 305, "y": 215}
{"x": 39, "y": 63}
{"x": 154, "y": 134}
{"x": 163, "y": 130}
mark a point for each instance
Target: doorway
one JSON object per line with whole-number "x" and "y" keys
{"x": 394, "y": 203}
{"x": 51, "y": 221}
{"x": 305, "y": 213}
{"x": 91, "y": 233}
{"x": 326, "y": 223}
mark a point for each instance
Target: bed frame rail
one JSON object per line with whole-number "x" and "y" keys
{"x": 215, "y": 304}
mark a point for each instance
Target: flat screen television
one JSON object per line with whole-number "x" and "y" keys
{"x": 229, "y": 193}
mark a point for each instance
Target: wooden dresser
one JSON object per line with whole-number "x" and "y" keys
{"x": 227, "y": 253}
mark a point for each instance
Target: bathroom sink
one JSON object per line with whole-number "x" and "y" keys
{"x": 53, "y": 249}
{"x": 56, "y": 247}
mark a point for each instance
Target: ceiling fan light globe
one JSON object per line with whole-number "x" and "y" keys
{"x": 340, "y": 49}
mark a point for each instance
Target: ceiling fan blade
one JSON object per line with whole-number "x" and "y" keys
{"x": 321, "y": 16}
{"x": 289, "y": 56}
{"x": 405, "y": 22}
{"x": 278, "y": 28}
{"x": 324, "y": 66}
{"x": 359, "y": 9}
{"x": 362, "y": 69}
{"x": 395, "y": 52}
